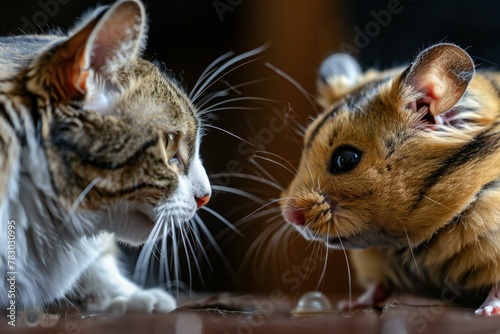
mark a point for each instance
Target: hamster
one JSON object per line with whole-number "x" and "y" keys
{"x": 403, "y": 167}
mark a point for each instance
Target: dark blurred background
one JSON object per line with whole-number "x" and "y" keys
{"x": 187, "y": 35}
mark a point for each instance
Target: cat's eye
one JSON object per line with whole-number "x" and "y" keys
{"x": 344, "y": 159}
{"x": 172, "y": 142}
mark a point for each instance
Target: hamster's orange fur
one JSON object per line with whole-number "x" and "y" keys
{"x": 423, "y": 201}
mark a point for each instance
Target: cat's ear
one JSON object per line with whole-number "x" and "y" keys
{"x": 337, "y": 74}
{"x": 105, "y": 44}
{"x": 441, "y": 74}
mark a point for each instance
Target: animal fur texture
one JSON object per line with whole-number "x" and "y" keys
{"x": 96, "y": 145}
{"x": 403, "y": 165}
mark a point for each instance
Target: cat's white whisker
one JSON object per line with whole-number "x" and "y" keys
{"x": 143, "y": 261}
{"x": 238, "y": 192}
{"x": 175, "y": 255}
{"x": 236, "y": 99}
{"x": 248, "y": 177}
{"x": 225, "y": 92}
{"x": 222, "y": 219}
{"x": 212, "y": 78}
{"x": 216, "y": 247}
{"x": 279, "y": 157}
{"x": 263, "y": 170}
{"x": 229, "y": 133}
{"x": 275, "y": 162}
{"x": 212, "y": 110}
{"x": 208, "y": 70}
{"x": 193, "y": 225}
{"x": 310, "y": 98}
{"x": 82, "y": 195}
{"x": 196, "y": 233}
{"x": 185, "y": 241}
{"x": 163, "y": 273}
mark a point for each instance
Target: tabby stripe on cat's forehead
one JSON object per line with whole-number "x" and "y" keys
{"x": 352, "y": 103}
{"x": 479, "y": 148}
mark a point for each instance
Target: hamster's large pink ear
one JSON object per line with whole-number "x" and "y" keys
{"x": 442, "y": 74}
{"x": 103, "y": 45}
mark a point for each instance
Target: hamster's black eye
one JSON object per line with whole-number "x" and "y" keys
{"x": 344, "y": 159}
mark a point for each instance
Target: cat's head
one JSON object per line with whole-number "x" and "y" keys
{"x": 396, "y": 155}
{"x": 120, "y": 137}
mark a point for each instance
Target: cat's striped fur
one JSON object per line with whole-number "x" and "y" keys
{"x": 422, "y": 190}
{"x": 95, "y": 144}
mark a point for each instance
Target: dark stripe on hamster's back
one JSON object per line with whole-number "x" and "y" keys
{"x": 481, "y": 146}
{"x": 351, "y": 102}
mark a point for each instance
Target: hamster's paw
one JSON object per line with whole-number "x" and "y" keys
{"x": 142, "y": 301}
{"x": 489, "y": 310}
{"x": 375, "y": 294}
{"x": 491, "y": 305}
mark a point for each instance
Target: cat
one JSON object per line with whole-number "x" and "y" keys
{"x": 402, "y": 165}
{"x": 96, "y": 145}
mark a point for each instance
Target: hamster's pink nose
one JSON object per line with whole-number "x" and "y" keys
{"x": 295, "y": 216}
{"x": 202, "y": 200}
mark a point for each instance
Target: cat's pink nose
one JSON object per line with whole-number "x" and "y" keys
{"x": 202, "y": 200}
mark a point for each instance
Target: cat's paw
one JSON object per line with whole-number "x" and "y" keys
{"x": 142, "y": 301}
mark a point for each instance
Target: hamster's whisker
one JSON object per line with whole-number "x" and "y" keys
{"x": 309, "y": 171}
{"x": 264, "y": 206}
{"x": 256, "y": 248}
{"x": 273, "y": 246}
{"x": 348, "y": 268}
{"x": 327, "y": 253}
{"x": 411, "y": 248}
{"x": 438, "y": 203}
{"x": 360, "y": 109}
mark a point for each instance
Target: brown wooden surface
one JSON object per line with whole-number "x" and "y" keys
{"x": 271, "y": 314}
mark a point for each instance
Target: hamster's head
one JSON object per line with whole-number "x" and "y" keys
{"x": 389, "y": 161}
